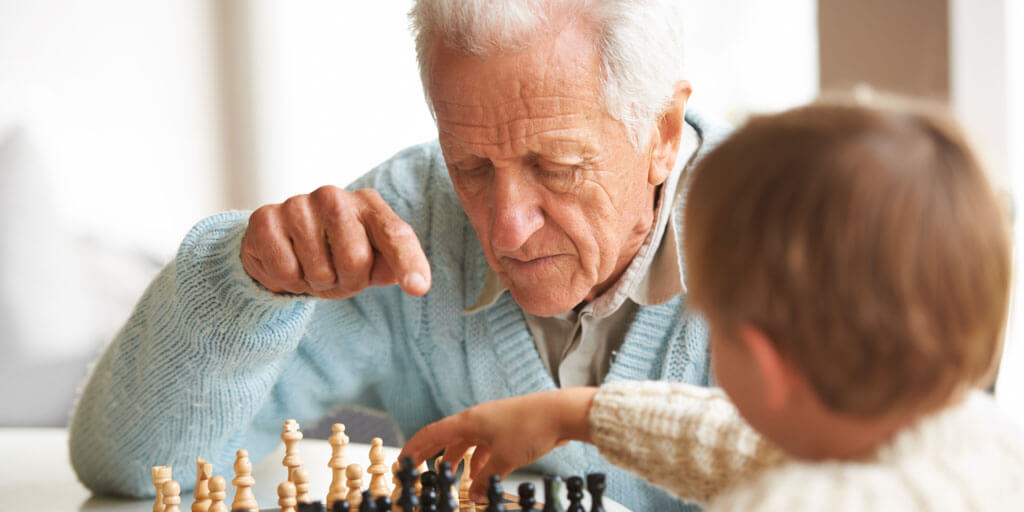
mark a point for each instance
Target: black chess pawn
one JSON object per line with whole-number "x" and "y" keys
{"x": 526, "y": 496}
{"x": 445, "y": 501}
{"x": 383, "y": 503}
{"x": 367, "y": 504}
{"x": 552, "y": 486}
{"x": 428, "y": 494}
{"x": 315, "y": 506}
{"x": 574, "y": 485}
{"x": 340, "y": 506}
{"x": 596, "y": 486}
{"x": 407, "y": 476}
{"x": 495, "y": 496}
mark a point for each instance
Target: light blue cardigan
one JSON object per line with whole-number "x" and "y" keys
{"x": 210, "y": 362}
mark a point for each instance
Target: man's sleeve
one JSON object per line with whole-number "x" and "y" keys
{"x": 687, "y": 439}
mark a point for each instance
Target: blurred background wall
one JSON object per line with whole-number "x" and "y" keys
{"x": 123, "y": 122}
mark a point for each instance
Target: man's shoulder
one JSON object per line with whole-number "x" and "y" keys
{"x": 711, "y": 130}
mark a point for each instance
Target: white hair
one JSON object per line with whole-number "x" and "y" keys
{"x": 640, "y": 44}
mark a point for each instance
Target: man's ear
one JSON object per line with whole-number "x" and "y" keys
{"x": 776, "y": 374}
{"x": 667, "y": 134}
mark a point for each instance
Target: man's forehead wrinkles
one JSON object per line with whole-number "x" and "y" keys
{"x": 522, "y": 135}
{"x": 515, "y": 108}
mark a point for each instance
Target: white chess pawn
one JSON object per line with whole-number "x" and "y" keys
{"x": 422, "y": 468}
{"x": 397, "y": 492}
{"x": 244, "y": 499}
{"x": 301, "y": 477}
{"x": 217, "y": 494}
{"x": 377, "y": 469}
{"x": 291, "y": 437}
{"x": 338, "y": 441}
{"x": 172, "y": 496}
{"x": 465, "y": 482}
{"x": 286, "y": 496}
{"x": 354, "y": 473}
{"x": 160, "y": 474}
{"x": 201, "y": 493}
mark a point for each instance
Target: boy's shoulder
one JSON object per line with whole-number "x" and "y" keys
{"x": 968, "y": 457}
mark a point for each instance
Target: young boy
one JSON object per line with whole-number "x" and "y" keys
{"x": 854, "y": 266}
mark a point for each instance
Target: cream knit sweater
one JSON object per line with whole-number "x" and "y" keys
{"x": 692, "y": 441}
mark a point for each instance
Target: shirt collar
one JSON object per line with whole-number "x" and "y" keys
{"x": 653, "y": 277}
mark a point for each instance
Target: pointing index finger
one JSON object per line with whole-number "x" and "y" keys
{"x": 397, "y": 243}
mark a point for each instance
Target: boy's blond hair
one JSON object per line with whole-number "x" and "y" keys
{"x": 867, "y": 243}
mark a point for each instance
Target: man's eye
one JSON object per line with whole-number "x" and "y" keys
{"x": 561, "y": 179}
{"x": 471, "y": 172}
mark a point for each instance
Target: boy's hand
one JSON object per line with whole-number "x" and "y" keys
{"x": 508, "y": 434}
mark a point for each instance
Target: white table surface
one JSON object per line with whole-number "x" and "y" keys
{"x": 36, "y": 475}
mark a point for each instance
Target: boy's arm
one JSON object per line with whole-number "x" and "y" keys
{"x": 687, "y": 439}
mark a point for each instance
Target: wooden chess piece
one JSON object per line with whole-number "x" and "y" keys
{"x": 465, "y": 482}
{"x": 552, "y": 485}
{"x": 201, "y": 493}
{"x": 495, "y": 496}
{"x": 354, "y": 474}
{"x": 243, "y": 482}
{"x": 422, "y": 468}
{"x": 527, "y": 497}
{"x": 286, "y": 496}
{"x": 160, "y": 474}
{"x": 596, "y": 487}
{"x": 301, "y": 481}
{"x": 428, "y": 494}
{"x": 172, "y": 496}
{"x": 377, "y": 469}
{"x": 339, "y": 441}
{"x": 383, "y": 503}
{"x": 396, "y": 494}
{"x": 574, "y": 485}
{"x": 217, "y": 494}
{"x": 408, "y": 476}
{"x": 340, "y": 506}
{"x": 291, "y": 437}
{"x": 446, "y": 501}
{"x": 366, "y": 503}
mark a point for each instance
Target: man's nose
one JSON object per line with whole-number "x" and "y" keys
{"x": 516, "y": 213}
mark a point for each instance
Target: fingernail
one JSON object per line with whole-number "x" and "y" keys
{"x": 415, "y": 281}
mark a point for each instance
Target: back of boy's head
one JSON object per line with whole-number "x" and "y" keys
{"x": 867, "y": 244}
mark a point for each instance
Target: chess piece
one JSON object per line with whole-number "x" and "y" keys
{"x": 383, "y": 504}
{"x": 495, "y": 496}
{"x": 366, "y": 503}
{"x": 446, "y": 501}
{"x": 286, "y": 499}
{"x": 341, "y": 506}
{"x": 172, "y": 496}
{"x": 291, "y": 437}
{"x": 377, "y": 469}
{"x": 526, "y": 496}
{"x": 301, "y": 480}
{"x": 422, "y": 468}
{"x": 338, "y": 441}
{"x": 217, "y": 494}
{"x": 596, "y": 487}
{"x": 396, "y": 493}
{"x": 552, "y": 486}
{"x": 428, "y": 492}
{"x": 243, "y": 482}
{"x": 465, "y": 482}
{"x": 574, "y": 485}
{"x": 354, "y": 474}
{"x": 315, "y": 506}
{"x": 408, "y": 476}
{"x": 201, "y": 492}
{"x": 160, "y": 474}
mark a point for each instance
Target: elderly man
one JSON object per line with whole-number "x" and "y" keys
{"x": 562, "y": 147}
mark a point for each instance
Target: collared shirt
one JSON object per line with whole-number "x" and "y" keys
{"x": 578, "y": 346}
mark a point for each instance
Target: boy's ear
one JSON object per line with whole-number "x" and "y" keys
{"x": 776, "y": 375}
{"x": 667, "y": 134}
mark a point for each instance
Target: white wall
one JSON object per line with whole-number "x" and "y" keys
{"x": 337, "y": 89}
{"x": 115, "y": 97}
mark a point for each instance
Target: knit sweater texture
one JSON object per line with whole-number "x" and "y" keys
{"x": 210, "y": 361}
{"x": 691, "y": 441}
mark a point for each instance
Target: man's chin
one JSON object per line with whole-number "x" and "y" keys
{"x": 543, "y": 304}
